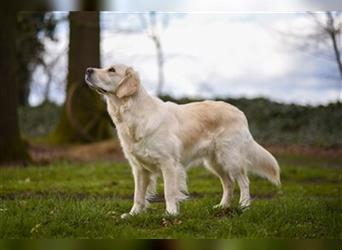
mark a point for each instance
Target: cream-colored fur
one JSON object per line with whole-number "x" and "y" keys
{"x": 164, "y": 138}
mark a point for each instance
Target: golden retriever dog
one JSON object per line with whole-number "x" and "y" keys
{"x": 164, "y": 138}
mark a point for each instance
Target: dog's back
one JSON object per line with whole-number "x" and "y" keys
{"x": 200, "y": 120}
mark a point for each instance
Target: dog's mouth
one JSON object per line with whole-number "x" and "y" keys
{"x": 94, "y": 87}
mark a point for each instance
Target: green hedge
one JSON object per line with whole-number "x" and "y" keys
{"x": 38, "y": 121}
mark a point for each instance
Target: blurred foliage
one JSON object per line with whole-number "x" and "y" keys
{"x": 270, "y": 122}
{"x": 38, "y": 121}
{"x": 31, "y": 28}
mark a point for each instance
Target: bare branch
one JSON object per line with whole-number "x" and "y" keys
{"x": 48, "y": 68}
{"x": 325, "y": 37}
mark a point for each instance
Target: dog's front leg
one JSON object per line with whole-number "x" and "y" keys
{"x": 141, "y": 181}
{"x": 171, "y": 189}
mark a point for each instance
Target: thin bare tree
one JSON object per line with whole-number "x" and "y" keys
{"x": 334, "y": 30}
{"x": 150, "y": 25}
{"x": 49, "y": 67}
{"x": 322, "y": 39}
{"x": 327, "y": 32}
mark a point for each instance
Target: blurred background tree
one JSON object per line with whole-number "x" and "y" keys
{"x": 32, "y": 28}
{"x": 149, "y": 23}
{"x": 152, "y": 24}
{"x": 82, "y": 118}
{"x": 323, "y": 40}
{"x": 329, "y": 32}
{"x": 12, "y": 147}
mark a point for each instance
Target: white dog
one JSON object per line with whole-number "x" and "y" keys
{"x": 164, "y": 137}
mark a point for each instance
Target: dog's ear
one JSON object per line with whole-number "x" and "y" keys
{"x": 129, "y": 85}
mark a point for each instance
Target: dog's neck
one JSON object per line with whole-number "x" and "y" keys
{"x": 133, "y": 105}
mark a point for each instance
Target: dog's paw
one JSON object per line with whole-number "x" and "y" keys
{"x": 125, "y": 216}
{"x": 172, "y": 213}
{"x": 172, "y": 209}
{"x": 220, "y": 206}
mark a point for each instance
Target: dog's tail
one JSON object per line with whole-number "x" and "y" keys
{"x": 263, "y": 163}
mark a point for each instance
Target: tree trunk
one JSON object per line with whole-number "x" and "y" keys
{"x": 84, "y": 115}
{"x": 91, "y": 5}
{"x": 12, "y": 147}
{"x": 339, "y": 63}
{"x": 333, "y": 33}
{"x": 160, "y": 61}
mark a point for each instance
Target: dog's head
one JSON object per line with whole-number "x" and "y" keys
{"x": 119, "y": 80}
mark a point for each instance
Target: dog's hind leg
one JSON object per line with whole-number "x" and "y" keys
{"x": 228, "y": 188}
{"x": 243, "y": 182}
{"x": 152, "y": 187}
{"x": 182, "y": 185}
{"x": 226, "y": 182}
{"x": 232, "y": 156}
{"x": 170, "y": 174}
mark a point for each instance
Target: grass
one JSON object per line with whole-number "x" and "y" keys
{"x": 71, "y": 200}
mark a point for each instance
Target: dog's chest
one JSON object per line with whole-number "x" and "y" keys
{"x": 141, "y": 150}
{"x": 145, "y": 156}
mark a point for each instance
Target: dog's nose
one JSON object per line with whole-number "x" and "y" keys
{"x": 89, "y": 71}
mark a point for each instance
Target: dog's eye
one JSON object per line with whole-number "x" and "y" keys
{"x": 112, "y": 69}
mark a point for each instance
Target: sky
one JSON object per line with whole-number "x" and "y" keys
{"x": 211, "y": 55}
{"x": 223, "y": 5}
{"x": 207, "y": 5}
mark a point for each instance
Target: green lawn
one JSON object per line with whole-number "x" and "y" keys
{"x": 86, "y": 200}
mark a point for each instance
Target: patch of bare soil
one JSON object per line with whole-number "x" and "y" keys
{"x": 110, "y": 150}
{"x": 106, "y": 150}
{"x": 305, "y": 150}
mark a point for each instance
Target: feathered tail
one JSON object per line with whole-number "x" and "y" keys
{"x": 263, "y": 163}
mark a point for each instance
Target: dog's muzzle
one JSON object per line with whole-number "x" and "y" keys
{"x": 88, "y": 75}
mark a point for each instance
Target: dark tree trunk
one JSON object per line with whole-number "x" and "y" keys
{"x": 90, "y": 5}
{"x": 23, "y": 91}
{"x": 12, "y": 148}
{"x": 84, "y": 115}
